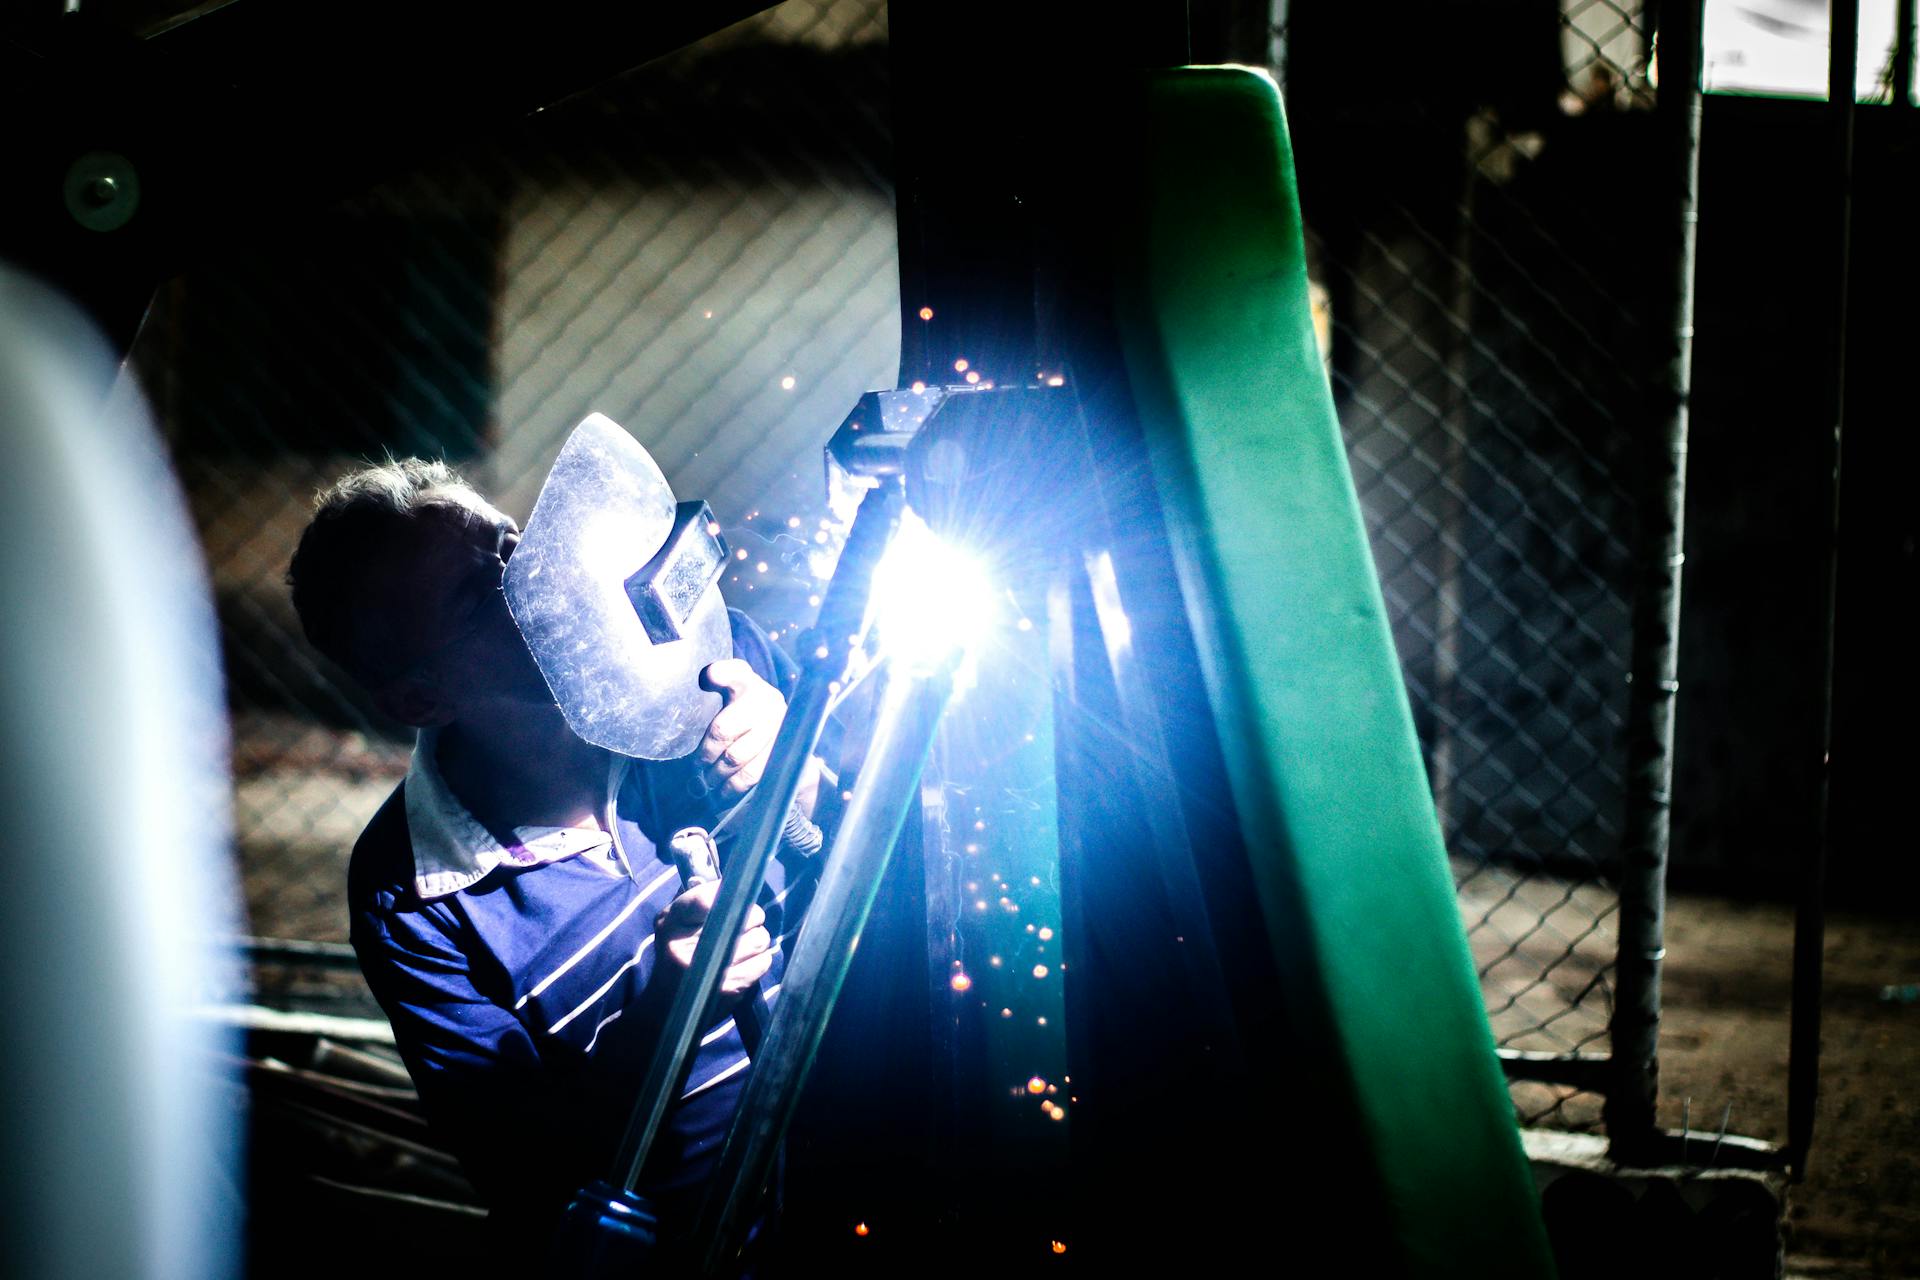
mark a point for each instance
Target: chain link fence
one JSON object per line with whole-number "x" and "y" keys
{"x": 704, "y": 250}
{"x": 1489, "y": 355}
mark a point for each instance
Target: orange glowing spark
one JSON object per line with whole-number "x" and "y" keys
{"x": 1006, "y": 1013}
{"x": 960, "y": 365}
{"x": 1046, "y": 935}
{"x": 1059, "y": 1246}
{"x": 973, "y": 375}
{"x": 1036, "y": 1085}
{"x": 926, "y": 313}
{"x": 918, "y": 387}
{"x": 1039, "y": 971}
{"x": 740, "y": 554}
{"x": 960, "y": 982}
{"x": 860, "y": 1228}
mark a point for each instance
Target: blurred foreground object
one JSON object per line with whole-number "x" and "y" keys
{"x": 114, "y": 799}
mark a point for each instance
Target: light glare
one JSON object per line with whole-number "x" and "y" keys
{"x": 930, "y": 597}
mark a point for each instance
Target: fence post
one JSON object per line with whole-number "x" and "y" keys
{"x": 1654, "y": 665}
{"x": 1809, "y": 921}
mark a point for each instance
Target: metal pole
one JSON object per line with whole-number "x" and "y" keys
{"x": 1810, "y": 923}
{"x": 826, "y": 651}
{"x": 882, "y": 797}
{"x": 1903, "y": 19}
{"x": 1630, "y": 1107}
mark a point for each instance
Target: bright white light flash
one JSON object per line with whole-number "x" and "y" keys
{"x": 930, "y": 597}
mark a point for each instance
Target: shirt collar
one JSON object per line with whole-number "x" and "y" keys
{"x": 453, "y": 850}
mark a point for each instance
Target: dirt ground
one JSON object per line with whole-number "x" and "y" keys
{"x": 1724, "y": 1041}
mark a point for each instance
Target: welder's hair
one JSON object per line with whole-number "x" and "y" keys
{"x": 356, "y": 523}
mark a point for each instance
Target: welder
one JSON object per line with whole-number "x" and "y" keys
{"x": 515, "y": 903}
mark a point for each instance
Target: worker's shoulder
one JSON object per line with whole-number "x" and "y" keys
{"x": 768, "y": 660}
{"x": 381, "y": 868}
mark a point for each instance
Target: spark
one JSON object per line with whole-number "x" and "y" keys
{"x": 926, "y": 313}
{"x": 1039, "y": 971}
{"x": 973, "y": 375}
{"x": 960, "y": 365}
{"x": 1046, "y": 935}
{"x": 960, "y": 981}
{"x": 740, "y": 553}
{"x": 1036, "y": 1086}
{"x": 1059, "y": 1246}
{"x": 860, "y": 1228}
{"x": 786, "y": 383}
{"x": 918, "y": 387}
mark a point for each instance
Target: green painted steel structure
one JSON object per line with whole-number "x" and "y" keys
{"x": 1301, "y": 676}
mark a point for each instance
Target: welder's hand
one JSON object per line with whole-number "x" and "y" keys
{"x": 734, "y": 753}
{"x": 677, "y": 932}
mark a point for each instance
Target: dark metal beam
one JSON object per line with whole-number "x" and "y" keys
{"x": 1810, "y": 920}
{"x": 130, "y": 154}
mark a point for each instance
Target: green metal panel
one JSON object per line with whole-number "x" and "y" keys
{"x": 1301, "y": 675}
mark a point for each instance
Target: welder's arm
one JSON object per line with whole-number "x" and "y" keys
{"x": 524, "y": 1137}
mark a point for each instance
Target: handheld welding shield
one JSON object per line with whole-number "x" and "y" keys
{"x": 615, "y": 588}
